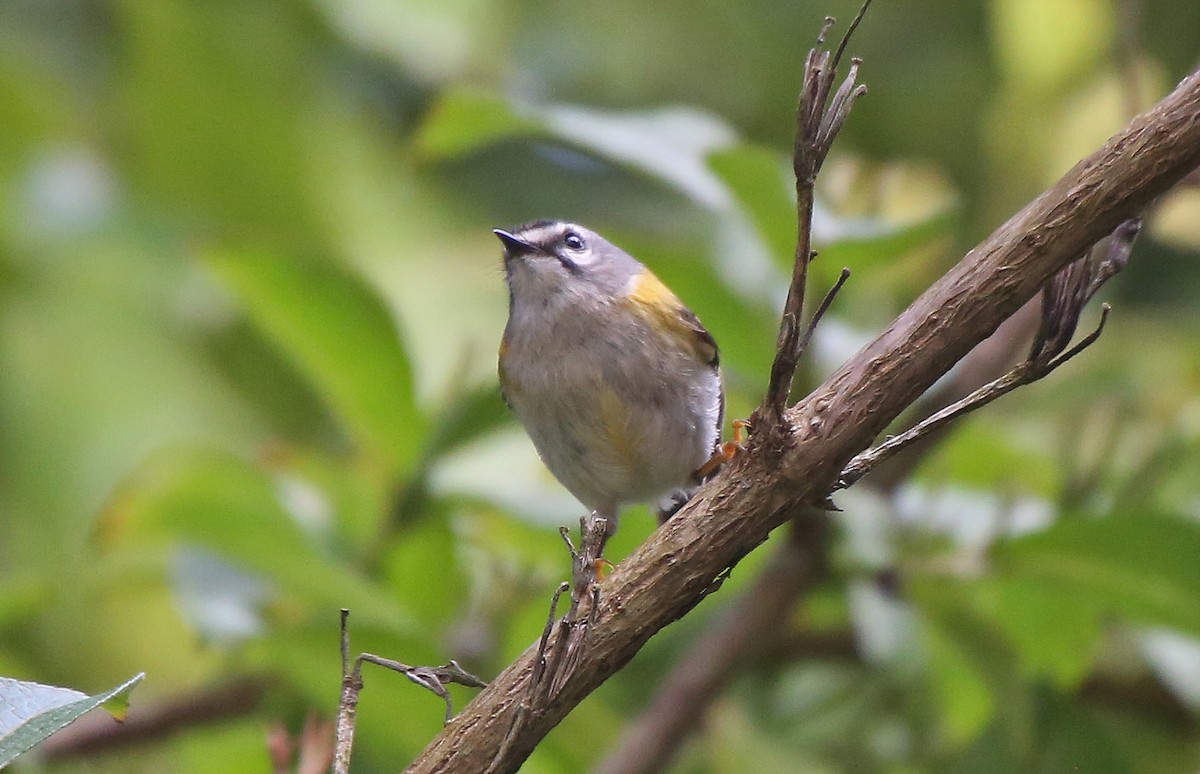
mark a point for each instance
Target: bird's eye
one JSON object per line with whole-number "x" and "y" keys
{"x": 573, "y": 241}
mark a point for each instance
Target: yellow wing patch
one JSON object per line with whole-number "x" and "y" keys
{"x": 665, "y": 313}
{"x": 648, "y": 292}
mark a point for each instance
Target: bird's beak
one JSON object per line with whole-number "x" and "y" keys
{"x": 514, "y": 246}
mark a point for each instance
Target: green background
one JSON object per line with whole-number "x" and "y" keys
{"x": 249, "y": 304}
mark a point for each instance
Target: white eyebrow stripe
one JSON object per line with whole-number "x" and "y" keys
{"x": 542, "y": 234}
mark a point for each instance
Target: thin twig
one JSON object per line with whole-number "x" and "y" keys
{"x": 554, "y": 662}
{"x": 1063, "y": 300}
{"x": 345, "y": 641}
{"x": 822, "y": 309}
{"x": 990, "y": 360}
{"x": 348, "y": 705}
{"x": 593, "y": 532}
{"x": 574, "y": 646}
{"x": 1086, "y": 342}
{"x": 818, "y": 122}
{"x": 841, "y": 49}
{"x": 434, "y": 679}
{"x": 1117, "y": 254}
{"x": 1027, "y": 372}
{"x": 536, "y": 675}
{"x": 539, "y": 666}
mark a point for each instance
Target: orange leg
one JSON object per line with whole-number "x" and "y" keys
{"x": 726, "y": 452}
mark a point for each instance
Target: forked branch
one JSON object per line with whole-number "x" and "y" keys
{"x": 1063, "y": 299}
{"x": 734, "y": 512}
{"x": 819, "y": 119}
{"x": 433, "y": 679}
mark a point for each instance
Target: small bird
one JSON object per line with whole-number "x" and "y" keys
{"x": 616, "y": 381}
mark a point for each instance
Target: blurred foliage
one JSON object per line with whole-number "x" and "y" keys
{"x": 249, "y": 301}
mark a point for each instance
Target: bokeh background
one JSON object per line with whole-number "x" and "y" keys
{"x": 249, "y": 304}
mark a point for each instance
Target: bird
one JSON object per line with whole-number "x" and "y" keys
{"x": 615, "y": 380}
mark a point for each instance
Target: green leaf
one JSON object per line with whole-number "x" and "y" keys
{"x": 1143, "y": 567}
{"x": 983, "y": 452}
{"x": 990, "y": 753}
{"x": 1067, "y": 737}
{"x": 668, "y": 144}
{"x": 225, "y": 505}
{"x": 213, "y": 118}
{"x": 340, "y": 334}
{"x": 31, "y": 712}
{"x": 464, "y": 120}
{"x": 469, "y": 415}
{"x": 872, "y": 243}
{"x": 967, "y": 702}
{"x": 1053, "y": 628}
{"x": 761, "y": 182}
{"x": 117, "y": 704}
{"x": 424, "y": 569}
{"x": 975, "y": 670}
{"x": 1072, "y": 738}
{"x": 23, "y": 595}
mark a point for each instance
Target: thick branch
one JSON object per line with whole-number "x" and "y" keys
{"x": 751, "y": 623}
{"x": 986, "y": 362}
{"x": 735, "y": 512}
{"x": 650, "y": 742}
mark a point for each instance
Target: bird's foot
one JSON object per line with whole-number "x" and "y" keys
{"x": 603, "y": 568}
{"x": 725, "y": 452}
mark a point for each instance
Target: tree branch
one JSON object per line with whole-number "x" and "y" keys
{"x": 650, "y": 741}
{"x": 433, "y": 679}
{"x": 986, "y": 362}
{"x": 818, "y": 121}
{"x": 752, "y": 621}
{"x": 735, "y": 512}
{"x": 1063, "y": 300}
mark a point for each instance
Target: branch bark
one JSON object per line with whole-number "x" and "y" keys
{"x": 652, "y": 738}
{"x": 749, "y": 627}
{"x": 650, "y": 742}
{"x": 732, "y": 514}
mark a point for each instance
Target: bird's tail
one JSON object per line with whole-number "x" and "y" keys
{"x": 669, "y": 505}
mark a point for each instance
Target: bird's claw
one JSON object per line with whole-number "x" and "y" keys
{"x": 726, "y": 452}
{"x": 602, "y": 568}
